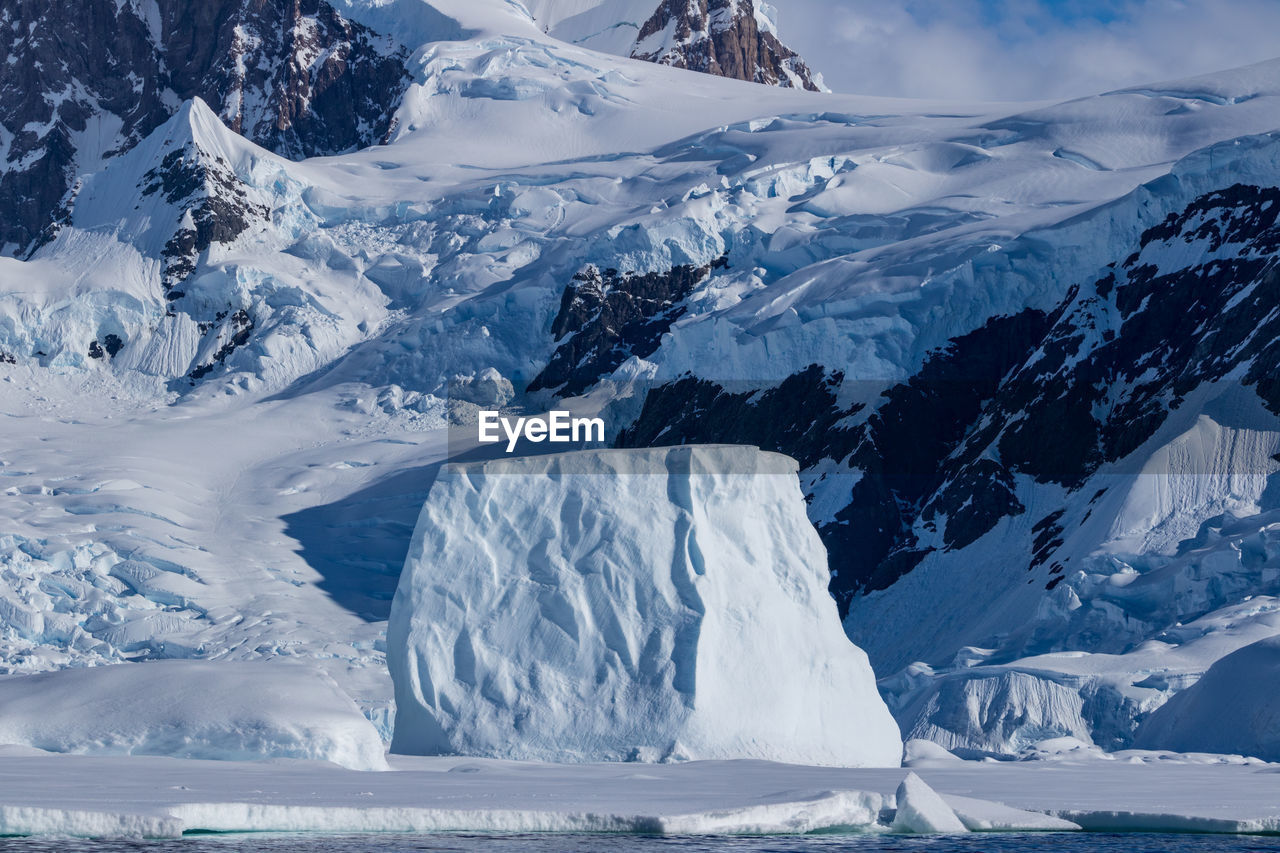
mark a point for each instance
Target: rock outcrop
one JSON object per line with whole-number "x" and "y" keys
{"x": 722, "y": 37}
{"x": 606, "y": 318}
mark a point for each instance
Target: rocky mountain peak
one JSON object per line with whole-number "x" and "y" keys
{"x": 294, "y": 76}
{"x": 86, "y": 79}
{"x": 200, "y": 184}
{"x": 722, "y": 37}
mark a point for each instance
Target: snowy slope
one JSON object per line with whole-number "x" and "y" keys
{"x": 612, "y": 26}
{"x": 1231, "y": 709}
{"x": 190, "y": 709}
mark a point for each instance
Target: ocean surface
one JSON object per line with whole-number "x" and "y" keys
{"x": 1062, "y": 842}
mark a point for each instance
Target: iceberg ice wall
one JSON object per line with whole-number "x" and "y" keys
{"x": 613, "y": 605}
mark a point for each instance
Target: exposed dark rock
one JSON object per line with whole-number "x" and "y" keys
{"x": 1087, "y": 393}
{"x": 108, "y": 347}
{"x": 293, "y": 75}
{"x": 801, "y": 414}
{"x": 720, "y": 37}
{"x": 215, "y": 203}
{"x": 979, "y": 495}
{"x": 902, "y": 450}
{"x": 605, "y": 318}
{"x": 326, "y": 84}
{"x": 233, "y": 335}
{"x": 914, "y": 453}
{"x": 1072, "y": 410}
{"x": 1050, "y": 396}
{"x": 1046, "y": 537}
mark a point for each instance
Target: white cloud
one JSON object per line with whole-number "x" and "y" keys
{"x": 1022, "y": 49}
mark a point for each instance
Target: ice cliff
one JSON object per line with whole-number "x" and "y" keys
{"x": 628, "y": 605}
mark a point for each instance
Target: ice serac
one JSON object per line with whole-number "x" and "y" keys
{"x": 648, "y": 605}
{"x": 226, "y": 711}
{"x": 1233, "y": 708}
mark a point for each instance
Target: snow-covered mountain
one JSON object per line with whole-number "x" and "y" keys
{"x": 1024, "y": 354}
{"x": 730, "y": 38}
{"x": 85, "y": 80}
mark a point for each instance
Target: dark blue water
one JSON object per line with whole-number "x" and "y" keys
{"x": 1064, "y": 842}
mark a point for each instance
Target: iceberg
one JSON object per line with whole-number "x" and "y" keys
{"x": 650, "y": 605}
{"x": 921, "y": 810}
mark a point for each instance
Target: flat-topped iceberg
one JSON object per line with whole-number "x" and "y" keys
{"x": 647, "y": 605}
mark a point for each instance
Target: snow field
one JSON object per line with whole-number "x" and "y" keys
{"x": 190, "y": 709}
{"x": 129, "y": 529}
{"x": 163, "y": 796}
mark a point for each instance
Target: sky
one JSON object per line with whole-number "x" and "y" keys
{"x": 1023, "y": 49}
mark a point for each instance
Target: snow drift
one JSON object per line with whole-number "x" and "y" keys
{"x": 1234, "y": 708}
{"x": 636, "y": 605}
{"x": 190, "y": 709}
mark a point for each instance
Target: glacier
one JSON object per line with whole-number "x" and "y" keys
{"x": 348, "y": 339}
{"x": 627, "y": 605}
